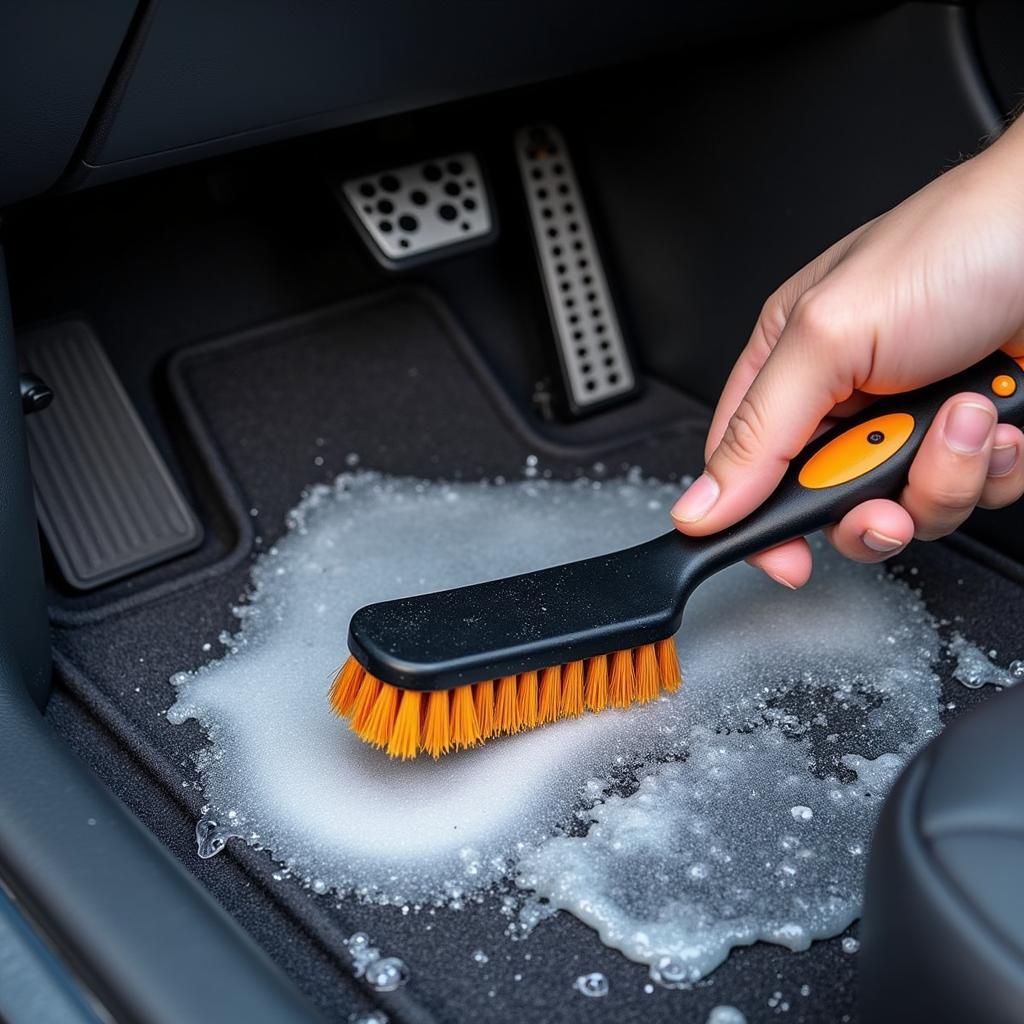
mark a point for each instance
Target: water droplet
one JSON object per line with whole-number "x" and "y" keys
{"x": 850, "y": 944}
{"x": 1017, "y": 669}
{"x": 480, "y": 956}
{"x": 319, "y": 886}
{"x": 373, "y": 1017}
{"x": 386, "y": 974}
{"x": 211, "y": 837}
{"x": 801, "y": 813}
{"x": 669, "y": 972}
{"x": 726, "y": 1015}
{"x": 352, "y": 459}
{"x": 592, "y": 985}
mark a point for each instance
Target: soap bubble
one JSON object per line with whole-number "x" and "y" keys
{"x": 592, "y": 985}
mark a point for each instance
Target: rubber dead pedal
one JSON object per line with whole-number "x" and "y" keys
{"x": 594, "y": 359}
{"x": 105, "y": 498}
{"x": 421, "y": 211}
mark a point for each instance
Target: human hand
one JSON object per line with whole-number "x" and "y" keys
{"x": 920, "y": 293}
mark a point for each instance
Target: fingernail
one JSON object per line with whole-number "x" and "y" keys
{"x": 779, "y": 579}
{"x": 967, "y": 427}
{"x": 1003, "y": 459}
{"x": 879, "y": 542}
{"x": 697, "y": 501}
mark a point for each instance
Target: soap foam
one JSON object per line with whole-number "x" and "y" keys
{"x": 669, "y": 827}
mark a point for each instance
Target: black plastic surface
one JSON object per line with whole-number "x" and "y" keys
{"x": 205, "y": 82}
{"x": 106, "y": 500}
{"x": 54, "y": 60}
{"x": 944, "y": 914}
{"x": 34, "y": 986}
{"x": 24, "y": 638}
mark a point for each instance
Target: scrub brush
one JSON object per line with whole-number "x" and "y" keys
{"x": 442, "y": 671}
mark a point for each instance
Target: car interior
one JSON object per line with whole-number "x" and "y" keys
{"x": 248, "y": 248}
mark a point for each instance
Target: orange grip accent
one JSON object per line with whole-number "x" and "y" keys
{"x": 852, "y": 454}
{"x": 1003, "y": 385}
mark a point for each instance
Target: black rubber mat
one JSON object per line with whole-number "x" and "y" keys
{"x": 255, "y": 406}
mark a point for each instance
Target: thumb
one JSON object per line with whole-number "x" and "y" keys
{"x": 809, "y": 371}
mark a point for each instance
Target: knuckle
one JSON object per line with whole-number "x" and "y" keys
{"x": 822, "y": 317}
{"x": 942, "y": 511}
{"x": 741, "y": 442}
{"x": 952, "y": 500}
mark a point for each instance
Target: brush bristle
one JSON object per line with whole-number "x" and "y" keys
{"x": 407, "y": 722}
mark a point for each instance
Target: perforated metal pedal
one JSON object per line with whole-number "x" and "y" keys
{"x": 417, "y": 211}
{"x": 594, "y": 358}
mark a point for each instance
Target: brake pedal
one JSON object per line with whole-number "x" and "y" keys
{"x": 595, "y": 361}
{"x": 421, "y": 211}
{"x": 107, "y": 502}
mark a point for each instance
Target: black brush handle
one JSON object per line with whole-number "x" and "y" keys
{"x": 864, "y": 457}
{"x": 636, "y": 596}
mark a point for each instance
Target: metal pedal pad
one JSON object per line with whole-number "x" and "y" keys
{"x": 408, "y": 214}
{"x": 107, "y": 502}
{"x": 595, "y": 361}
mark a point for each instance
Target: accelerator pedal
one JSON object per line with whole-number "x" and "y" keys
{"x": 105, "y": 498}
{"x": 594, "y": 359}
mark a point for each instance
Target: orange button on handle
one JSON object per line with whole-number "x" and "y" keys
{"x": 858, "y": 451}
{"x": 1004, "y": 385}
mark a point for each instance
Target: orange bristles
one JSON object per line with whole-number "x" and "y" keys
{"x": 622, "y": 680}
{"x": 506, "y": 718}
{"x": 363, "y": 707}
{"x": 647, "y": 680}
{"x": 381, "y": 721}
{"x": 464, "y": 729}
{"x": 346, "y": 687}
{"x": 668, "y": 665}
{"x": 572, "y": 690}
{"x": 436, "y": 732}
{"x": 596, "y": 694}
{"x": 483, "y": 705}
{"x": 550, "y": 694}
{"x": 526, "y": 700}
{"x": 406, "y": 722}
{"x": 405, "y": 737}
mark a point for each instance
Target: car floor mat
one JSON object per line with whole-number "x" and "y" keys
{"x": 273, "y": 410}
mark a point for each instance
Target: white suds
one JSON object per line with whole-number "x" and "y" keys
{"x": 975, "y": 669}
{"x": 672, "y": 828}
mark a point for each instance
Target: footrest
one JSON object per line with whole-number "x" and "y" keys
{"x": 105, "y": 498}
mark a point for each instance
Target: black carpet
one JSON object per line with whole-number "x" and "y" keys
{"x": 390, "y": 377}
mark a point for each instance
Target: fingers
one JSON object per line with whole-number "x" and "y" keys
{"x": 947, "y": 475}
{"x": 1005, "y": 482}
{"x": 788, "y": 564}
{"x": 956, "y": 480}
{"x": 873, "y": 531}
{"x": 813, "y": 367}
